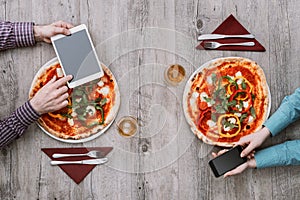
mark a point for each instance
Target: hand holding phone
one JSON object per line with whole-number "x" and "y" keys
{"x": 227, "y": 161}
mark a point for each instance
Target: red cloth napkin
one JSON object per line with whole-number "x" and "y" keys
{"x": 232, "y": 27}
{"x": 76, "y": 172}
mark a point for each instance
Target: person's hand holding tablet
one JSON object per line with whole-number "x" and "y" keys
{"x": 77, "y": 56}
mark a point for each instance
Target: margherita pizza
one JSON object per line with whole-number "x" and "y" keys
{"x": 92, "y": 106}
{"x": 226, "y": 99}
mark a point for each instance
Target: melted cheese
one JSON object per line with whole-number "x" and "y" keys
{"x": 100, "y": 83}
{"x": 70, "y": 122}
{"x": 104, "y": 91}
{"x": 195, "y": 95}
{"x": 238, "y": 74}
{"x": 59, "y": 72}
{"x": 232, "y": 120}
{"x": 211, "y": 123}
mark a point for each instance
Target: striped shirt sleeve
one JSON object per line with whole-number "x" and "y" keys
{"x": 16, "y": 34}
{"x": 16, "y": 124}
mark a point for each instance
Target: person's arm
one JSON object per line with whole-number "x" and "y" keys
{"x": 287, "y": 113}
{"x": 287, "y": 153}
{"x": 22, "y": 34}
{"x": 15, "y": 125}
{"x": 51, "y": 97}
{"x": 16, "y": 34}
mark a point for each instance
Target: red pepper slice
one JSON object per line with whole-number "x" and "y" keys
{"x": 248, "y": 96}
{"x": 204, "y": 117}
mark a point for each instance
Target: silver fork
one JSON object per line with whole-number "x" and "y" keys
{"x": 92, "y": 154}
{"x": 215, "y": 45}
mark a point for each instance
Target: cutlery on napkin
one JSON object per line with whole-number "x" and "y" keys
{"x": 77, "y": 172}
{"x": 232, "y": 27}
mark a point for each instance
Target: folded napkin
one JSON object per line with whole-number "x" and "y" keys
{"x": 76, "y": 172}
{"x": 232, "y": 27}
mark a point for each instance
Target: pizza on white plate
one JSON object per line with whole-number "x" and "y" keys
{"x": 225, "y": 99}
{"x": 92, "y": 106}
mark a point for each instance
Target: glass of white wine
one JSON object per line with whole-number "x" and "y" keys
{"x": 174, "y": 74}
{"x": 127, "y": 126}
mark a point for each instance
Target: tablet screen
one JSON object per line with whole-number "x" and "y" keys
{"x": 77, "y": 56}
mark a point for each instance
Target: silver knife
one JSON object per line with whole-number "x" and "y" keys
{"x": 221, "y": 36}
{"x": 83, "y": 162}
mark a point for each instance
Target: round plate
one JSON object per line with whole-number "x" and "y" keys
{"x": 187, "y": 88}
{"x": 93, "y": 136}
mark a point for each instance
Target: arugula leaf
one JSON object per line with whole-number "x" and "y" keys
{"x": 228, "y": 78}
{"x": 81, "y": 118}
{"x": 220, "y": 109}
{"x": 213, "y": 117}
{"x": 241, "y": 105}
{"x": 98, "y": 100}
{"x": 84, "y": 99}
{"x": 244, "y": 85}
{"x": 231, "y": 81}
{"x": 66, "y": 115}
{"x": 213, "y": 77}
{"x": 243, "y": 117}
{"x": 253, "y": 97}
{"x": 232, "y": 103}
{"x": 225, "y": 105}
{"x": 78, "y": 92}
{"x": 253, "y": 112}
{"x": 209, "y": 100}
{"x": 230, "y": 125}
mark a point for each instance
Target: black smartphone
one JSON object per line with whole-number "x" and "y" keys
{"x": 227, "y": 161}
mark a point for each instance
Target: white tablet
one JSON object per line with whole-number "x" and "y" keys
{"x": 77, "y": 56}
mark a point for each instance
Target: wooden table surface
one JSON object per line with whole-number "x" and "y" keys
{"x": 137, "y": 40}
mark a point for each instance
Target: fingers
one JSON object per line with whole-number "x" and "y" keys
{"x": 63, "y": 81}
{"x": 248, "y": 149}
{"x": 61, "y": 105}
{"x": 219, "y": 153}
{"x": 63, "y": 24}
{"x": 60, "y": 30}
{"x": 237, "y": 170}
{"x": 62, "y": 90}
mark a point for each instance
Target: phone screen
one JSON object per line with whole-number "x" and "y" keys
{"x": 227, "y": 161}
{"x": 77, "y": 56}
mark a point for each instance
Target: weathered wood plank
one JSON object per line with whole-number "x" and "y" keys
{"x": 120, "y": 31}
